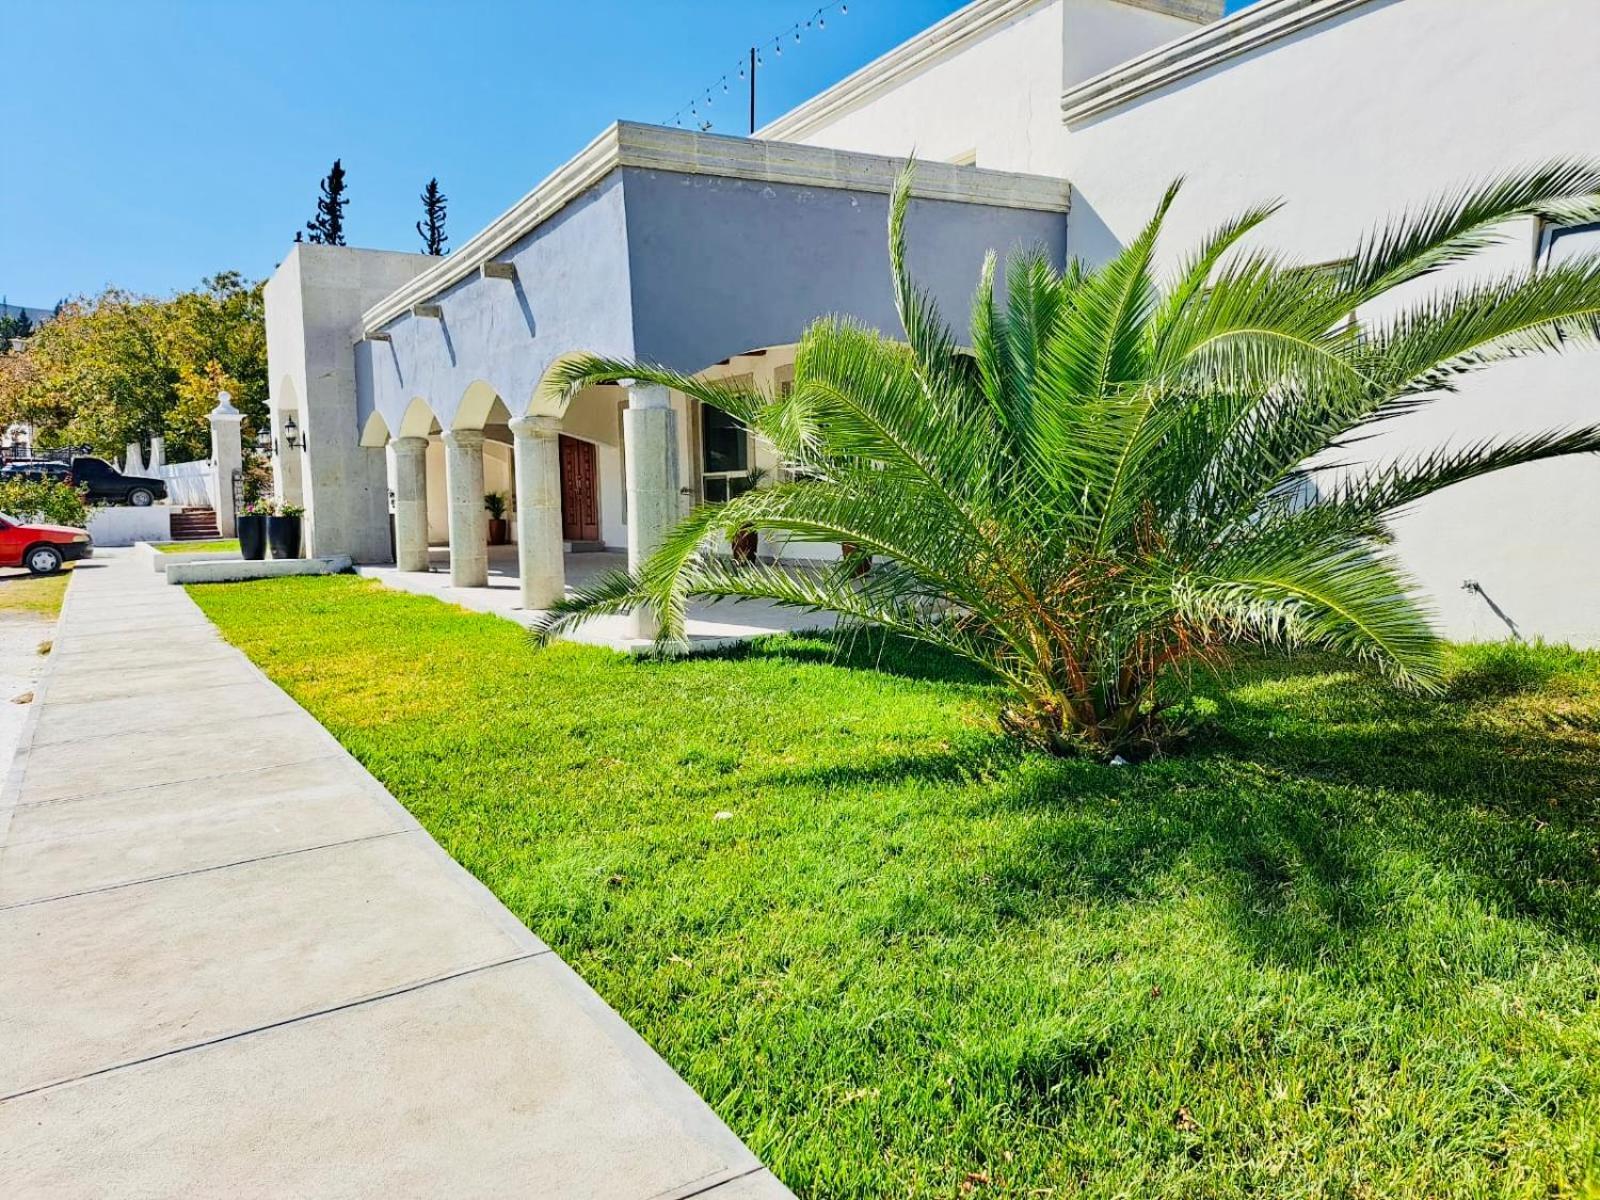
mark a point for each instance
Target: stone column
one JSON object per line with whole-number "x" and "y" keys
{"x": 411, "y": 503}
{"x": 227, "y": 456}
{"x": 469, "y": 521}
{"x": 539, "y": 540}
{"x": 650, "y": 446}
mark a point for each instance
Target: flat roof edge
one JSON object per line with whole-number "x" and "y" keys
{"x": 653, "y": 147}
{"x": 1249, "y": 29}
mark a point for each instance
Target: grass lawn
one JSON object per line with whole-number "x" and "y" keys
{"x": 215, "y": 546}
{"x": 1348, "y": 946}
{"x": 38, "y": 595}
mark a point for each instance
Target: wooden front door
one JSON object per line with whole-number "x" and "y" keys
{"x": 580, "y": 485}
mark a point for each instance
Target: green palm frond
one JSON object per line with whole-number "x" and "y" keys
{"x": 1117, "y": 479}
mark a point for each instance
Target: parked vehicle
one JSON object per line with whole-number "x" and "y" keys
{"x": 95, "y": 477}
{"x": 36, "y": 470}
{"x": 43, "y": 549}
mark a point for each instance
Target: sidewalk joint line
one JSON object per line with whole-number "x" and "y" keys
{"x": 387, "y": 994}
{"x": 243, "y": 862}
{"x": 140, "y": 787}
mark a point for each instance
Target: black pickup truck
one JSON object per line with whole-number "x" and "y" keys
{"x": 95, "y": 477}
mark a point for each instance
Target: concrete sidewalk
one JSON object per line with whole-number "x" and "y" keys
{"x": 232, "y": 964}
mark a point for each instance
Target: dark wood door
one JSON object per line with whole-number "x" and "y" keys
{"x": 580, "y": 485}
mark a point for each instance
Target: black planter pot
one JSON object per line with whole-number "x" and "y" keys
{"x": 283, "y": 535}
{"x": 253, "y": 537}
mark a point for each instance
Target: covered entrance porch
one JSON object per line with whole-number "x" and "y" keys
{"x": 706, "y": 255}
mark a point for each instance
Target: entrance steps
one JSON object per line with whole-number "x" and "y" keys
{"x": 194, "y": 525}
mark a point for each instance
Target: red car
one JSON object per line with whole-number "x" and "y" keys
{"x": 43, "y": 549}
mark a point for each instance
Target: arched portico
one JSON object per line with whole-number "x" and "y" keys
{"x": 410, "y": 486}
{"x": 479, "y": 405}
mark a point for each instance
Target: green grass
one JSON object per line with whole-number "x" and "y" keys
{"x": 39, "y": 595}
{"x": 1347, "y": 946}
{"x": 215, "y": 546}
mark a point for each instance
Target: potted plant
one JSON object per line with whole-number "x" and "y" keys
{"x": 252, "y": 525}
{"x": 746, "y": 541}
{"x": 499, "y": 527}
{"x": 283, "y": 531}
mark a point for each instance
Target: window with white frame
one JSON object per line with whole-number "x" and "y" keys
{"x": 1560, "y": 244}
{"x": 724, "y": 454}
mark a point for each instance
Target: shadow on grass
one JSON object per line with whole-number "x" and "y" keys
{"x": 1312, "y": 808}
{"x": 867, "y": 650}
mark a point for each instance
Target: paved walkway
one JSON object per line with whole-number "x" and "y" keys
{"x": 231, "y": 963}
{"x": 709, "y": 624}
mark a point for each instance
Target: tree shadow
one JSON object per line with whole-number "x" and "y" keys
{"x": 865, "y": 650}
{"x": 1308, "y": 813}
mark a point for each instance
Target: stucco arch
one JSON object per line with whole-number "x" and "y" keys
{"x": 375, "y": 433}
{"x": 286, "y": 398}
{"x": 418, "y": 420}
{"x": 480, "y": 405}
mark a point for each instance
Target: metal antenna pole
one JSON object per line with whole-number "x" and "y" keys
{"x": 752, "y": 89}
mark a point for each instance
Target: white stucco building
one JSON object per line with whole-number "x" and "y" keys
{"x": 1053, "y": 122}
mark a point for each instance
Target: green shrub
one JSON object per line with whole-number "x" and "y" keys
{"x": 43, "y": 500}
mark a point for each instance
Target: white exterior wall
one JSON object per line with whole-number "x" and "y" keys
{"x": 998, "y": 94}
{"x": 1388, "y": 103}
{"x": 1380, "y": 104}
{"x": 314, "y": 302}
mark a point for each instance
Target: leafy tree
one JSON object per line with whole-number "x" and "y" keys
{"x": 45, "y": 500}
{"x": 121, "y": 368}
{"x": 327, "y": 228}
{"x": 21, "y": 324}
{"x": 1118, "y": 481}
{"x": 431, "y": 228}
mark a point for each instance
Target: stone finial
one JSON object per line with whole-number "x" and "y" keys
{"x": 225, "y": 411}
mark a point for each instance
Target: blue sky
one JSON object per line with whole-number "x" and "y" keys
{"x": 152, "y": 143}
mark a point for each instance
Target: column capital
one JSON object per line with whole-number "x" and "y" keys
{"x": 647, "y": 395}
{"x": 535, "y": 426}
{"x": 410, "y": 445}
{"x": 466, "y": 439}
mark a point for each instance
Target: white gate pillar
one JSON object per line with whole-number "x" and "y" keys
{"x": 650, "y": 445}
{"x": 227, "y": 457}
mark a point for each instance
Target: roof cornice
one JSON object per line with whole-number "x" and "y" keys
{"x": 929, "y": 46}
{"x": 1251, "y": 28}
{"x": 932, "y": 44}
{"x": 655, "y": 147}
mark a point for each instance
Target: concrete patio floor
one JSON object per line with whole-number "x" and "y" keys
{"x": 232, "y": 964}
{"x": 709, "y": 625}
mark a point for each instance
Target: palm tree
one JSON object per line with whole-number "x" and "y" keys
{"x": 1117, "y": 481}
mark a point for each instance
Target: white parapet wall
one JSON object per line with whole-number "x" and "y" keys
{"x": 262, "y": 568}
{"x": 159, "y": 561}
{"x": 123, "y": 526}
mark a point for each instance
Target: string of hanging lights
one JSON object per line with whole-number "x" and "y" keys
{"x": 697, "y": 112}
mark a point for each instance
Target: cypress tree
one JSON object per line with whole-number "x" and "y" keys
{"x": 431, "y": 228}
{"x": 327, "y": 229}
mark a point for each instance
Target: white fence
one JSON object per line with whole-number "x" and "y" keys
{"x": 125, "y": 525}
{"x": 188, "y": 484}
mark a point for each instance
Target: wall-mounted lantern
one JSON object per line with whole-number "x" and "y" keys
{"x": 291, "y": 434}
